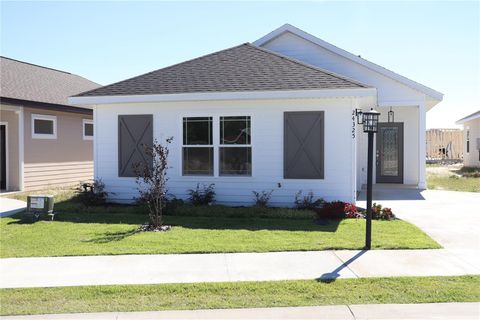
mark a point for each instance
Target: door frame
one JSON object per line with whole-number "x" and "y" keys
{"x": 3, "y": 123}
{"x": 379, "y": 142}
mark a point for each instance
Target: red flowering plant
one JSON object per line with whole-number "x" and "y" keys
{"x": 332, "y": 210}
{"x": 351, "y": 211}
{"x": 339, "y": 210}
{"x": 380, "y": 213}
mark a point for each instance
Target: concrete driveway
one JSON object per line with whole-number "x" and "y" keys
{"x": 451, "y": 218}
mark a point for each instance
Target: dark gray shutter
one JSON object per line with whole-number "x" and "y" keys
{"x": 303, "y": 153}
{"x": 134, "y": 133}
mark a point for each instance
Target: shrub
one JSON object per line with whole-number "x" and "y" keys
{"x": 202, "y": 196}
{"x": 152, "y": 184}
{"x": 351, "y": 211}
{"x": 172, "y": 204}
{"x": 380, "y": 213}
{"x": 92, "y": 193}
{"x": 339, "y": 210}
{"x": 262, "y": 198}
{"x": 307, "y": 202}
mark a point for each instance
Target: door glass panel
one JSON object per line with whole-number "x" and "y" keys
{"x": 389, "y": 163}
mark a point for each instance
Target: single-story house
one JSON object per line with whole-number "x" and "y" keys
{"x": 277, "y": 114}
{"x": 471, "y": 139}
{"x": 44, "y": 141}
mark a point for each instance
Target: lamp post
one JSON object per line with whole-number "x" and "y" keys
{"x": 370, "y": 126}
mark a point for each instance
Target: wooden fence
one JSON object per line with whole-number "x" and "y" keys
{"x": 444, "y": 144}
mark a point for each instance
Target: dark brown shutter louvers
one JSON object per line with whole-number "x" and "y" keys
{"x": 134, "y": 133}
{"x": 304, "y": 145}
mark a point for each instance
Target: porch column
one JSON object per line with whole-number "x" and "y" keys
{"x": 422, "y": 118}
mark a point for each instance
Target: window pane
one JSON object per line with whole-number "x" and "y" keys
{"x": 89, "y": 129}
{"x": 236, "y": 161}
{"x": 234, "y": 130}
{"x": 197, "y": 161}
{"x": 197, "y": 130}
{"x": 43, "y": 126}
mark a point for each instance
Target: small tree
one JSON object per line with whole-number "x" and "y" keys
{"x": 152, "y": 182}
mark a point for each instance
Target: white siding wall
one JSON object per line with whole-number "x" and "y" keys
{"x": 267, "y": 153}
{"x": 471, "y": 159}
{"x": 389, "y": 90}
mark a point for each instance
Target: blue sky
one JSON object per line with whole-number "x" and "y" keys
{"x": 434, "y": 43}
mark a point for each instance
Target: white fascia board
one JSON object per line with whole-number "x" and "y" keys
{"x": 209, "y": 96}
{"x": 471, "y": 117}
{"x": 375, "y": 67}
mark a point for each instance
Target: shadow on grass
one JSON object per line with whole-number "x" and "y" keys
{"x": 212, "y": 223}
{"x": 113, "y": 236}
{"x": 214, "y": 218}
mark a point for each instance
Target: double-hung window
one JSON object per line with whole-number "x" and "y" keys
{"x": 235, "y": 146}
{"x": 197, "y": 146}
{"x": 231, "y": 148}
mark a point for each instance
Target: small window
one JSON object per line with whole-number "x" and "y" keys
{"x": 235, "y": 146}
{"x": 197, "y": 152}
{"x": 87, "y": 129}
{"x": 44, "y": 126}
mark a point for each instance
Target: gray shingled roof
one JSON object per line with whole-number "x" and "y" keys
{"x": 25, "y": 81}
{"x": 242, "y": 68}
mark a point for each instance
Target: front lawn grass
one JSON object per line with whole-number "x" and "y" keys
{"x": 116, "y": 233}
{"x": 112, "y": 229}
{"x": 239, "y": 295}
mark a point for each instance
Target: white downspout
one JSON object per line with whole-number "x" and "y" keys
{"x": 95, "y": 138}
{"x": 21, "y": 149}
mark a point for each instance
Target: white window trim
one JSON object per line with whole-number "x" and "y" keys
{"x": 84, "y": 122}
{"x": 43, "y": 135}
{"x": 250, "y": 145}
{"x": 197, "y": 146}
{"x": 216, "y": 146}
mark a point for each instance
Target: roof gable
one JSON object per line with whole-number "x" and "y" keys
{"x": 239, "y": 69}
{"x": 473, "y": 116}
{"x": 431, "y": 93}
{"x": 29, "y": 82}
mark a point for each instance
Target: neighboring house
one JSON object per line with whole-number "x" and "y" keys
{"x": 44, "y": 141}
{"x": 471, "y": 138}
{"x": 444, "y": 144}
{"x": 278, "y": 115}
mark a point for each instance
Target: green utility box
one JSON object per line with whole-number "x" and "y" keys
{"x": 39, "y": 205}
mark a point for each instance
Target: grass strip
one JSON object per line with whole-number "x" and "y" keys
{"x": 125, "y": 298}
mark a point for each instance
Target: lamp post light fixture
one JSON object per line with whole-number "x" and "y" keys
{"x": 370, "y": 126}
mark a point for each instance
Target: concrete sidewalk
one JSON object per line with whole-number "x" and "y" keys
{"x": 189, "y": 268}
{"x": 9, "y": 207}
{"x": 348, "y": 312}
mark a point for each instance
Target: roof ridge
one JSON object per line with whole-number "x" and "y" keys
{"x": 37, "y": 65}
{"x": 164, "y": 68}
{"x": 287, "y": 27}
{"x": 336, "y": 75}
